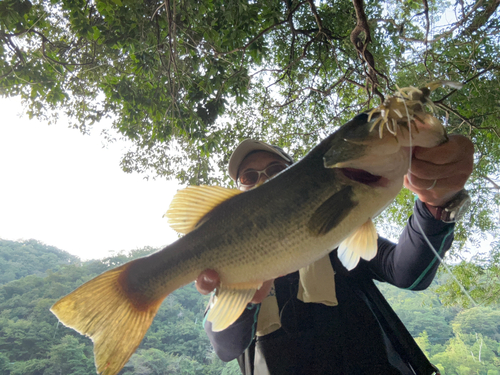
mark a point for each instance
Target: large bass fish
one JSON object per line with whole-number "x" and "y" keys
{"x": 327, "y": 199}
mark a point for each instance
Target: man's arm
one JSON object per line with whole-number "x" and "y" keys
{"x": 233, "y": 341}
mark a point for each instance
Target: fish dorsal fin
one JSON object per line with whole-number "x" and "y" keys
{"x": 361, "y": 244}
{"x": 331, "y": 212}
{"x": 230, "y": 303}
{"x": 191, "y": 204}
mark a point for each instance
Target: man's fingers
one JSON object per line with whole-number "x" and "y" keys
{"x": 425, "y": 170}
{"x": 263, "y": 291}
{"x": 207, "y": 281}
{"x": 417, "y": 184}
{"x": 442, "y": 154}
{"x": 437, "y": 174}
{"x": 458, "y": 147}
{"x": 455, "y": 157}
{"x": 442, "y": 190}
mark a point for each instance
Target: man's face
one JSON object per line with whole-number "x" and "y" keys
{"x": 259, "y": 161}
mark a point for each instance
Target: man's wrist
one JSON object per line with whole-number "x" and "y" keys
{"x": 453, "y": 210}
{"x": 434, "y": 210}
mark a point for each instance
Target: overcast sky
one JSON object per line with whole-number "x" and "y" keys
{"x": 64, "y": 189}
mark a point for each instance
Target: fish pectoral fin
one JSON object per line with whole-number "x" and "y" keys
{"x": 361, "y": 244}
{"x": 102, "y": 310}
{"x": 332, "y": 211}
{"x": 230, "y": 303}
{"x": 191, "y": 204}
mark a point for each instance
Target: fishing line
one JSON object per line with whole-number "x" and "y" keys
{"x": 444, "y": 264}
{"x": 462, "y": 288}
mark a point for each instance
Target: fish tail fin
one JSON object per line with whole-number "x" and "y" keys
{"x": 102, "y": 310}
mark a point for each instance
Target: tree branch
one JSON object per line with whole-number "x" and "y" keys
{"x": 361, "y": 47}
{"x": 495, "y": 185}
{"x": 456, "y": 25}
{"x": 492, "y": 67}
{"x": 252, "y": 41}
{"x": 482, "y": 17}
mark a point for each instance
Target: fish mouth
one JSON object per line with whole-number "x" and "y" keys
{"x": 364, "y": 177}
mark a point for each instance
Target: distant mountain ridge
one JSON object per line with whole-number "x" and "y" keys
{"x": 19, "y": 259}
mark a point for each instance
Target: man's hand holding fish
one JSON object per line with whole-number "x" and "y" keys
{"x": 439, "y": 173}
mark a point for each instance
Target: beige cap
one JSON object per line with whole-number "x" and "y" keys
{"x": 248, "y": 146}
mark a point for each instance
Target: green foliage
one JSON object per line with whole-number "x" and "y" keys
{"x": 69, "y": 357}
{"x": 232, "y": 368}
{"x": 481, "y": 320}
{"x": 157, "y": 362}
{"x": 4, "y": 364}
{"x": 463, "y": 358}
{"x": 481, "y": 278}
{"x": 423, "y": 342}
{"x": 421, "y": 312}
{"x": 456, "y": 341}
{"x": 169, "y": 72}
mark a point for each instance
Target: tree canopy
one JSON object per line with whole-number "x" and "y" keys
{"x": 187, "y": 80}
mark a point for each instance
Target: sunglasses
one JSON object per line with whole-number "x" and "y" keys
{"x": 251, "y": 177}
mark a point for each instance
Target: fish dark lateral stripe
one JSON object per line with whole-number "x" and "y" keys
{"x": 331, "y": 212}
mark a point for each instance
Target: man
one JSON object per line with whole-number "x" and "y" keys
{"x": 359, "y": 333}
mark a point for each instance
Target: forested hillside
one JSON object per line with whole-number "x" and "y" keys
{"x": 33, "y": 343}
